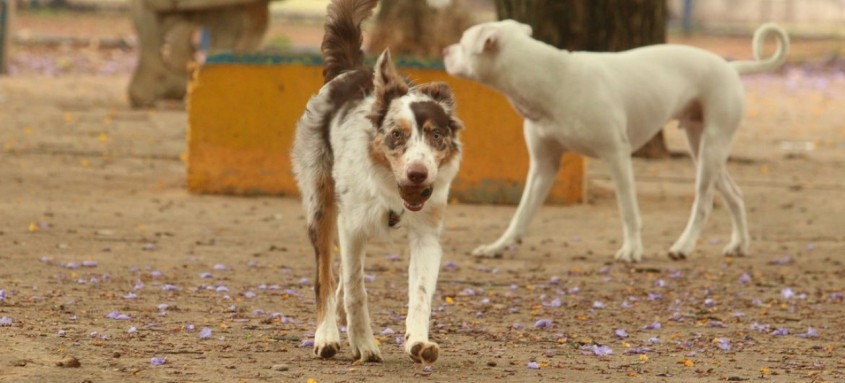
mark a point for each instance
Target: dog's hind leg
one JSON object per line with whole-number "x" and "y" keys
{"x": 544, "y": 155}
{"x": 713, "y": 148}
{"x": 422, "y": 281}
{"x": 359, "y": 329}
{"x": 622, "y": 172}
{"x": 322, "y": 220}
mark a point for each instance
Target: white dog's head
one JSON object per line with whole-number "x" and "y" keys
{"x": 474, "y": 56}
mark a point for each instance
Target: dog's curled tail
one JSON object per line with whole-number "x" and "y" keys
{"x": 342, "y": 40}
{"x": 771, "y": 63}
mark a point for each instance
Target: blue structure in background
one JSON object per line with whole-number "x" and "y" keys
{"x": 686, "y": 18}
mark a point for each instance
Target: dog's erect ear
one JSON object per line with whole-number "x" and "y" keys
{"x": 388, "y": 86}
{"x": 438, "y": 91}
{"x": 527, "y": 28}
{"x": 487, "y": 40}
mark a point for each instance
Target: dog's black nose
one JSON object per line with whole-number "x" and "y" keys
{"x": 417, "y": 174}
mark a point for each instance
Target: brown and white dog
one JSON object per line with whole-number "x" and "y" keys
{"x": 371, "y": 151}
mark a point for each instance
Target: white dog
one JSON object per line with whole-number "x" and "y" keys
{"x": 372, "y": 152}
{"x": 606, "y": 105}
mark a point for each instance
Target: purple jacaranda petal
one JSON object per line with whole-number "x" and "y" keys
{"x": 760, "y": 327}
{"x": 744, "y": 278}
{"x": 533, "y": 366}
{"x": 387, "y": 331}
{"x": 158, "y": 361}
{"x": 495, "y": 270}
{"x": 653, "y": 326}
{"x": 780, "y": 332}
{"x": 513, "y": 287}
{"x": 837, "y": 296}
{"x": 400, "y": 340}
{"x": 138, "y": 285}
{"x": 738, "y": 314}
{"x": 189, "y": 327}
{"x": 395, "y": 258}
{"x": 249, "y": 295}
{"x": 258, "y": 312}
{"x": 724, "y": 344}
{"x": 206, "y": 275}
{"x": 304, "y": 281}
{"x": 89, "y": 263}
{"x": 130, "y": 295}
{"x": 756, "y": 302}
{"x": 543, "y": 323}
{"x": 169, "y": 287}
{"x": 597, "y": 350}
{"x": 205, "y": 333}
{"x": 2, "y": 295}
{"x": 598, "y": 305}
{"x": 716, "y": 323}
{"x": 219, "y": 267}
{"x": 654, "y": 340}
{"x": 45, "y": 259}
{"x": 162, "y": 306}
{"x": 637, "y": 351}
{"x": 149, "y": 246}
{"x": 621, "y": 333}
{"x": 221, "y": 289}
{"x": 274, "y": 287}
{"x": 132, "y": 330}
{"x": 61, "y": 333}
{"x": 660, "y": 283}
{"x": 468, "y": 292}
{"x": 450, "y": 265}
{"x": 654, "y": 296}
{"x": 156, "y": 274}
{"x": 116, "y": 315}
{"x": 6, "y": 321}
{"x": 781, "y": 261}
{"x": 709, "y": 302}
{"x": 369, "y": 278}
{"x": 625, "y": 304}
{"x": 72, "y": 265}
{"x": 574, "y": 290}
{"x": 428, "y": 369}
{"x": 675, "y": 274}
{"x": 810, "y": 246}
{"x": 554, "y": 303}
{"x": 554, "y": 280}
{"x": 307, "y": 343}
{"x": 811, "y": 333}
{"x": 518, "y": 326}
{"x": 787, "y": 293}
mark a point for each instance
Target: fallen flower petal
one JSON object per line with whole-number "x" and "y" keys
{"x": 158, "y": 361}
{"x": 6, "y": 321}
{"x": 543, "y": 323}
{"x": 533, "y": 366}
{"x": 653, "y": 326}
{"x": 780, "y": 332}
{"x": 811, "y": 333}
{"x": 205, "y": 333}
{"x": 621, "y": 333}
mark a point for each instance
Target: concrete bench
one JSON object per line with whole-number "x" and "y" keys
{"x": 243, "y": 109}
{"x": 233, "y": 25}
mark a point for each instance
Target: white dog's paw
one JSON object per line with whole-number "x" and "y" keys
{"x": 680, "y": 251}
{"x": 367, "y": 352}
{"x": 496, "y": 249}
{"x": 326, "y": 341}
{"x": 630, "y": 254}
{"x": 422, "y": 352}
{"x": 735, "y": 249}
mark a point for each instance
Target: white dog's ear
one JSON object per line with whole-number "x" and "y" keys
{"x": 388, "y": 85}
{"x": 528, "y": 30}
{"x": 487, "y": 41}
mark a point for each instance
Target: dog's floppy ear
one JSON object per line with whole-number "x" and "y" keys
{"x": 487, "y": 40}
{"x": 438, "y": 91}
{"x": 388, "y": 85}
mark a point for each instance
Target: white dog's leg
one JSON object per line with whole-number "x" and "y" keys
{"x": 359, "y": 330}
{"x": 622, "y": 173}
{"x": 712, "y": 155}
{"x": 544, "y": 156}
{"x": 740, "y": 239}
{"x": 731, "y": 193}
{"x": 422, "y": 282}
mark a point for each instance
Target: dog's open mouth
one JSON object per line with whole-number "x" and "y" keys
{"x": 414, "y": 196}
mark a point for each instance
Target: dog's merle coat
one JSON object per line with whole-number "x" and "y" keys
{"x": 370, "y": 150}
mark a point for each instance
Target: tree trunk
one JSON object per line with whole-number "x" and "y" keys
{"x": 597, "y": 26}
{"x": 412, "y": 28}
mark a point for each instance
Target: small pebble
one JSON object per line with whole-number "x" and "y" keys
{"x": 280, "y": 367}
{"x": 69, "y": 362}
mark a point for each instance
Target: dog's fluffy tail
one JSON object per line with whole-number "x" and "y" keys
{"x": 771, "y": 63}
{"x": 342, "y": 40}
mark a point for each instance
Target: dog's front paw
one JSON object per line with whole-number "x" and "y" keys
{"x": 327, "y": 350}
{"x": 630, "y": 254}
{"x": 423, "y": 352}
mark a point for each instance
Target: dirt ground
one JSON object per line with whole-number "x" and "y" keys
{"x": 104, "y": 257}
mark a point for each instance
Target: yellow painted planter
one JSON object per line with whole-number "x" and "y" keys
{"x": 242, "y": 117}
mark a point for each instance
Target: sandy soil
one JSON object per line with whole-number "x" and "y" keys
{"x": 104, "y": 257}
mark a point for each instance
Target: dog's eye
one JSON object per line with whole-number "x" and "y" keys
{"x": 437, "y": 134}
{"x": 397, "y": 134}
